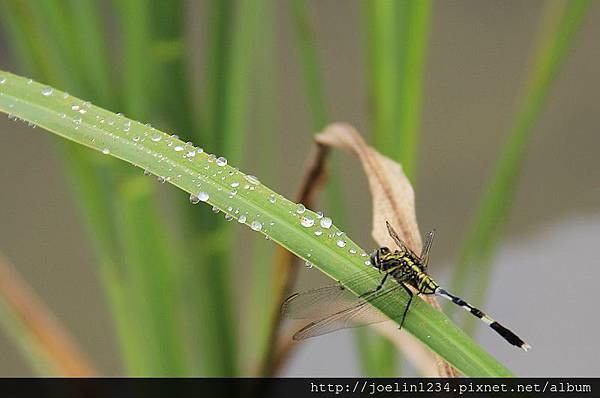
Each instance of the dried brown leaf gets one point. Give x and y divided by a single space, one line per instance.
393 201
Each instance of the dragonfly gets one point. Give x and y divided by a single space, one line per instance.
335 307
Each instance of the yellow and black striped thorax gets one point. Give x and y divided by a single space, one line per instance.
404 267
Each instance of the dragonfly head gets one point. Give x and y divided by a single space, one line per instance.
378 255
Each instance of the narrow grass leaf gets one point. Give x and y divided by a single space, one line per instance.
208 179
559 23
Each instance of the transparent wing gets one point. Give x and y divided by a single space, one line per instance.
318 302
397 239
362 312
426 248
330 299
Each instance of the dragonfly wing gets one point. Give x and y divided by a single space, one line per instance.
361 313
318 302
394 235
330 299
426 248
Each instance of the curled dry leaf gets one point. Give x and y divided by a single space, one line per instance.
393 201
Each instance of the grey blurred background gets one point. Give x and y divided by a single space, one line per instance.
547 270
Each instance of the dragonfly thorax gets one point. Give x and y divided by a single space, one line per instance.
385 260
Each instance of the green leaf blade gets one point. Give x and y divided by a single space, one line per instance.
253 203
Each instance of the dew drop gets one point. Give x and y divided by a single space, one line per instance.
178 148
341 243
235 184
256 225
156 138
147 172
2 79
228 217
203 196
47 91
300 208
367 262
318 232
161 179
352 251
106 151
307 222
215 210
326 222
242 219
272 198
308 264
221 161
252 179
319 215
194 199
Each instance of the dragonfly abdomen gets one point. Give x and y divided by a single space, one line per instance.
498 328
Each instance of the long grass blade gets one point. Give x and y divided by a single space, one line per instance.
209 179
415 17
397 35
559 23
311 67
261 296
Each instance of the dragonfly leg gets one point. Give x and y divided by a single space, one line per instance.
412 295
378 288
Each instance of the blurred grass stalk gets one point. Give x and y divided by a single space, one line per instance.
311 72
558 24
396 39
146 276
46 344
53 39
255 314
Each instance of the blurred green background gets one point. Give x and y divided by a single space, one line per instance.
247 75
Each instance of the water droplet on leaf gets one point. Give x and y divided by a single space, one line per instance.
326 222
307 222
256 225
203 196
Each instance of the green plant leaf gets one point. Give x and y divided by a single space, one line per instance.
208 178
559 23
